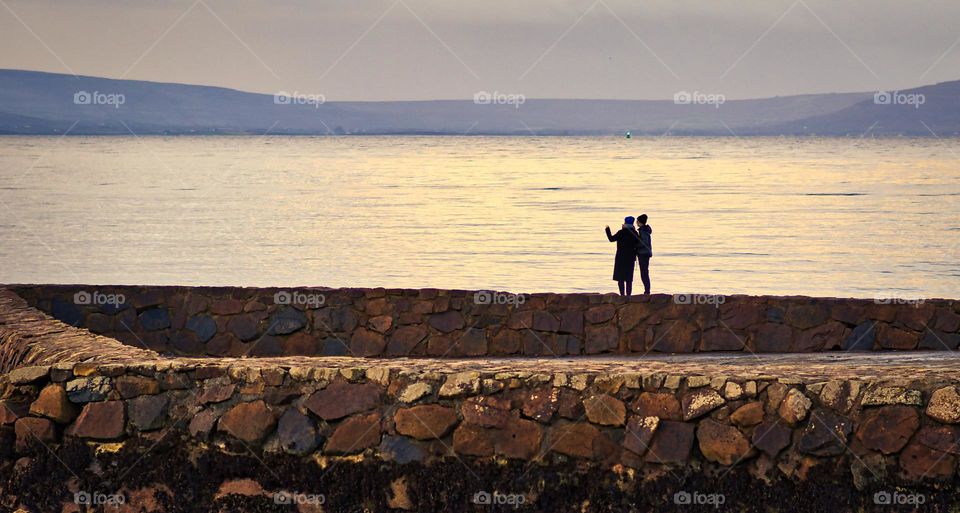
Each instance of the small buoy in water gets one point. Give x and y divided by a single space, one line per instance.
628 134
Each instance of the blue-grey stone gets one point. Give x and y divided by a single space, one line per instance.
401 449
862 338
297 433
939 341
204 326
155 319
287 320
66 312
85 390
334 347
774 314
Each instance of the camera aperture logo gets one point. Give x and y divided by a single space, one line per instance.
83 498
899 300
97 298
498 98
898 98
684 498
98 98
496 498
698 98
298 98
699 299
491 297
297 298
885 498
299 499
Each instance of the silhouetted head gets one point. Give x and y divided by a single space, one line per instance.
642 219
628 220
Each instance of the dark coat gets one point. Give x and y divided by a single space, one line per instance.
645 247
623 263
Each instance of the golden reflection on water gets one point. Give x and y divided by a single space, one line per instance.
839 217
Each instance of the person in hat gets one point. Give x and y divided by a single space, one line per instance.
644 250
627 240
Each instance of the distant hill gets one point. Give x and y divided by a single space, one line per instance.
45 103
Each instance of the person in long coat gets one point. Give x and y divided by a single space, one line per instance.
627 239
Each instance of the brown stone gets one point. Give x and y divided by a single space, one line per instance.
447 322
202 424
921 462
519 439
738 314
772 437
749 414
505 342
544 321
570 406
244 327
700 402
652 404
571 321
947 321
671 443
133 386
826 434
916 317
605 410
425 422
722 443
249 422
404 339
381 323
721 339
600 314
942 438
486 411
639 433
355 434
888 429
226 307
677 336
839 395
541 403
601 339
573 439
103 420
821 338
31 430
340 399
944 405
148 412
890 337
216 393
54 405
806 316
473 342
366 342
633 314
794 407
772 338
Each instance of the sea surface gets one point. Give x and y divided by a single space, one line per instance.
813 216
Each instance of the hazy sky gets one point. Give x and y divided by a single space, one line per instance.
426 49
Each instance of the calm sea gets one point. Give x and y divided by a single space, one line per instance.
835 217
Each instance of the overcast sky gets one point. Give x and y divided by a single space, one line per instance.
447 49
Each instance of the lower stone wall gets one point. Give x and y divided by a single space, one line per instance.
232 321
646 428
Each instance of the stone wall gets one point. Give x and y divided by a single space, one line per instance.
83 419
455 323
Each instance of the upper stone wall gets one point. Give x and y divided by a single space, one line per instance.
234 321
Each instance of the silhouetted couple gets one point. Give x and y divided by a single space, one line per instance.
633 244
